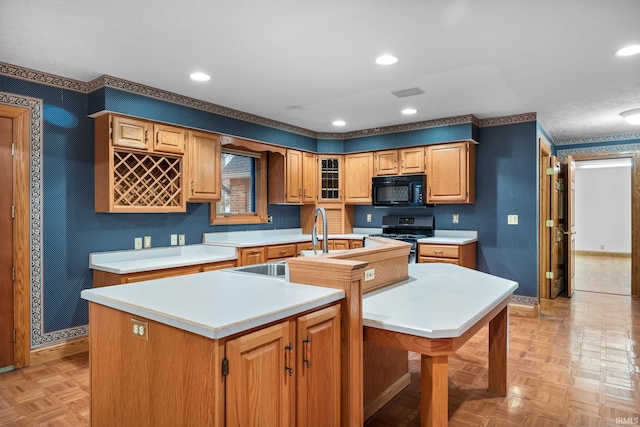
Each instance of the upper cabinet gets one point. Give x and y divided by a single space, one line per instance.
405 161
359 168
451 173
203 163
134 174
330 178
292 177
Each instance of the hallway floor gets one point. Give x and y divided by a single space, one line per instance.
604 274
576 365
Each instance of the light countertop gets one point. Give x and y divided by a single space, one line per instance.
437 301
451 237
133 261
214 304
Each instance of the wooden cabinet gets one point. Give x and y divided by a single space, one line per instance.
385 162
286 374
359 168
339 219
203 163
307 246
451 173
134 175
249 256
281 251
292 177
405 161
413 160
330 173
103 278
463 255
339 244
356 243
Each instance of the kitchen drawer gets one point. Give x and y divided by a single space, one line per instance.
439 251
161 274
281 251
426 259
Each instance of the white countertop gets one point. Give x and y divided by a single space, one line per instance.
132 261
214 304
437 301
451 237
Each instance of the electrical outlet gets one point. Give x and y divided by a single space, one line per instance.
269 219
174 239
602 247
369 274
512 219
137 243
181 240
140 329
147 242
456 218
368 217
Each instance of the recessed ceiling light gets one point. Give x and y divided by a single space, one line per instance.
409 111
386 60
629 50
339 123
632 116
200 77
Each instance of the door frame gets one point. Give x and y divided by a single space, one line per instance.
21 231
635 207
544 210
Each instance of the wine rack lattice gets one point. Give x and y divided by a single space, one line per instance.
145 180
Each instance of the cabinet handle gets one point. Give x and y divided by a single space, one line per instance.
255 251
146 136
157 137
282 252
305 193
438 252
306 351
192 182
286 367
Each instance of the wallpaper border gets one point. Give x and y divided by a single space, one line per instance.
38 336
598 139
598 150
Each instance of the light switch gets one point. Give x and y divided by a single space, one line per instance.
368 217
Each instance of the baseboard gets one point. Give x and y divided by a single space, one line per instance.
58 350
387 395
600 253
524 310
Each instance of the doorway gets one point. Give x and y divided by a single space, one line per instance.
603 225
6 248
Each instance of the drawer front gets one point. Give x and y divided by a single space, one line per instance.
161 274
426 259
281 251
440 251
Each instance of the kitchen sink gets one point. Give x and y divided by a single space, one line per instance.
273 269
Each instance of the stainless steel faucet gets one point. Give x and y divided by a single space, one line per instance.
314 231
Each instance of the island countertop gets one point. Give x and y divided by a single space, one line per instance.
214 304
437 301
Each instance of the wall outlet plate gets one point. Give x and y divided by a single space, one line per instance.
181 240
140 329
368 217
369 274
269 219
137 243
455 218
147 242
512 219
174 239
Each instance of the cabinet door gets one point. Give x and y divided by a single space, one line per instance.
354 244
169 139
386 162
310 172
340 245
448 174
249 256
330 174
130 133
412 160
259 385
204 167
359 168
293 177
318 384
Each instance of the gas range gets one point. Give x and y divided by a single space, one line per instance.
408 229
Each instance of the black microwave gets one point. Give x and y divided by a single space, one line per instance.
399 190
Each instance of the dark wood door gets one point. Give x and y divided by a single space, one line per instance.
6 248
557 279
570 232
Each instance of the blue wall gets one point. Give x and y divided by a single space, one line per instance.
505 184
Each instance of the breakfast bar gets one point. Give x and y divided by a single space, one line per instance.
434 312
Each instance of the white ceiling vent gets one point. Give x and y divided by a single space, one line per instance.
408 92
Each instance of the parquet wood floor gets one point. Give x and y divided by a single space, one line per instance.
607 274
576 365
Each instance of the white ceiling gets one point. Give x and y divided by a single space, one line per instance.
482 57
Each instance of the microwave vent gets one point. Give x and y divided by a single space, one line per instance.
408 92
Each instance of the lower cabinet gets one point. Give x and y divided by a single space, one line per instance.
463 255
287 374
249 256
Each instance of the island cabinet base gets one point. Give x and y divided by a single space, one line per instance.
385 374
157 381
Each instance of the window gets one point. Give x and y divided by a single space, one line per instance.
243 196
